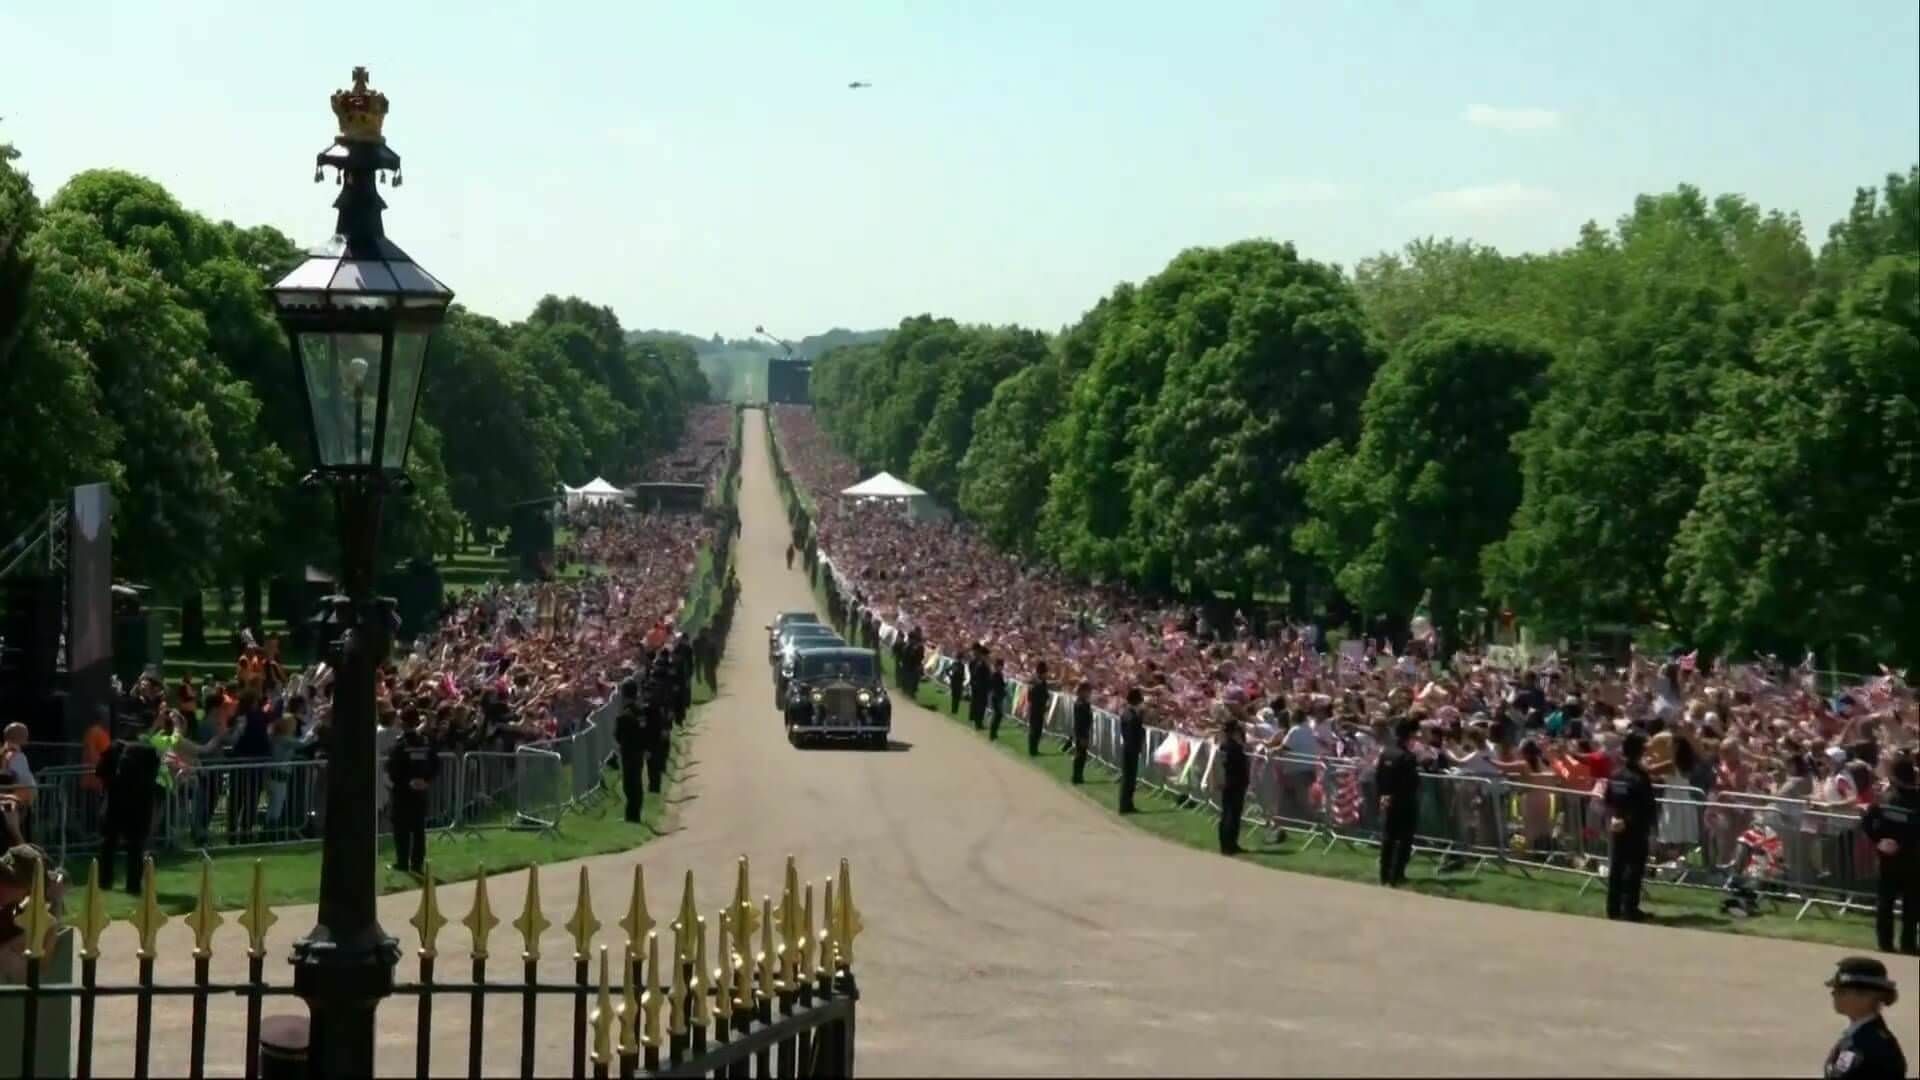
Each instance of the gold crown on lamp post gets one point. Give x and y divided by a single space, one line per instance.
361 110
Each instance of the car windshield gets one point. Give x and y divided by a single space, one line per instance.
836 665
792 618
808 633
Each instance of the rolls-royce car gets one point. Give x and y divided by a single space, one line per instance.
836 692
781 622
792 639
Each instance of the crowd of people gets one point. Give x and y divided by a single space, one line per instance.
1728 737
702 452
505 666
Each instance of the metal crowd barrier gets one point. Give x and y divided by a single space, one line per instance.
1780 850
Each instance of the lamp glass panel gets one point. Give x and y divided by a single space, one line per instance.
342 373
409 363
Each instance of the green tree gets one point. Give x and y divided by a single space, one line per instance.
158 391
968 383
51 434
1433 479
1646 320
1803 532
1266 358
1885 222
1003 476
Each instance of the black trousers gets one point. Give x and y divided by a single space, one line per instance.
1233 803
409 829
243 803
954 689
1396 844
1899 880
129 830
977 711
1129 777
632 770
657 764
1033 736
1080 744
1626 872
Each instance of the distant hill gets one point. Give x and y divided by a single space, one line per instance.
737 367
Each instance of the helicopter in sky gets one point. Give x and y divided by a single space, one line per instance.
859 85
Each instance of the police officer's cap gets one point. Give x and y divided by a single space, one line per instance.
628 688
1863 973
1633 745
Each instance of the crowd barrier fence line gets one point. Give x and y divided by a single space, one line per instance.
1780 850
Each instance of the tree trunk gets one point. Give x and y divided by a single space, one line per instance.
250 588
193 620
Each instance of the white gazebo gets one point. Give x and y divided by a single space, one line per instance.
595 492
888 487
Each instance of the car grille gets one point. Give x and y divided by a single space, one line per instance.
840 705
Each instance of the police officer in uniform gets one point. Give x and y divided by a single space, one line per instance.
630 732
1133 741
1894 826
1082 729
1632 807
1039 697
1398 779
682 678
980 681
412 766
130 768
956 677
1867 1050
1235 775
657 719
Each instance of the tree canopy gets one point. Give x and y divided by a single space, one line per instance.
137 347
1688 422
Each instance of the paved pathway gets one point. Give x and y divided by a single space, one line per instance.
1016 928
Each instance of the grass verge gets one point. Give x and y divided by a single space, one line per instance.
1533 889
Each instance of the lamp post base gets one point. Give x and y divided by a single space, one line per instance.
342 984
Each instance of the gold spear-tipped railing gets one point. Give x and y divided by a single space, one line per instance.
730 1005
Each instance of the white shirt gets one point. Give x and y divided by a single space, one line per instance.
21 770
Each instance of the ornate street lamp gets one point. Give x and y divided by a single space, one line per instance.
358 314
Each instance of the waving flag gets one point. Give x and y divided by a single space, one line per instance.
1172 752
1346 798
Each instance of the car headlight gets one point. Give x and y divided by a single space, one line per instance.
866 698
818 697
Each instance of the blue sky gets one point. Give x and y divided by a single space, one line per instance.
704 167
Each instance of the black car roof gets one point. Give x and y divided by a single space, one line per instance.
796 616
835 650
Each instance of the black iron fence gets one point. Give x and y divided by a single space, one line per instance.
775 995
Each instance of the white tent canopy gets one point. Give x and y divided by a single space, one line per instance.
884 486
595 492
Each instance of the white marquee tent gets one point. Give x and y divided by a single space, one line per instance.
595 492
886 486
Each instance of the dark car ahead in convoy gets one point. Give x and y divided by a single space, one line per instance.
781 622
835 692
792 639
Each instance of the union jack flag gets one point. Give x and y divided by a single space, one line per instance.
1769 854
1345 808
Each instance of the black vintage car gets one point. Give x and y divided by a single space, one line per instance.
795 637
780 623
835 692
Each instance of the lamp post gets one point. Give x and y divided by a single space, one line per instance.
358 314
